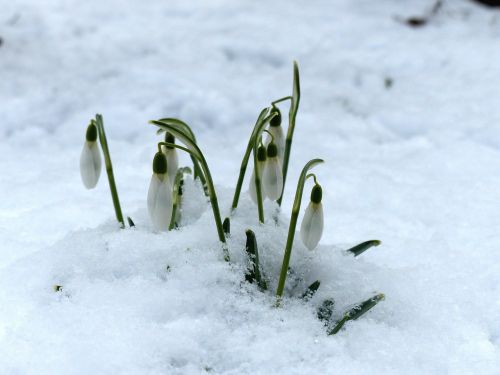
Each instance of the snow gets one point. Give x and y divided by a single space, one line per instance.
414 165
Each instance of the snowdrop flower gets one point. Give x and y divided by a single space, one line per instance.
276 130
261 159
172 158
312 223
272 177
90 159
160 194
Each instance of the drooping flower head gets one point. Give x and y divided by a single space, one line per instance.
272 178
160 194
276 130
311 229
90 159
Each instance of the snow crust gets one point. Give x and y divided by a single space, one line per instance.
414 165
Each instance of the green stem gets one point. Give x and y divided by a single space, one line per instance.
258 183
293 224
261 122
182 126
195 151
292 115
244 162
281 100
109 169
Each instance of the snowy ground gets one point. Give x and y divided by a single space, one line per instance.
414 165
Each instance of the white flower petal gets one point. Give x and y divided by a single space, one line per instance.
90 164
160 202
312 225
272 179
172 162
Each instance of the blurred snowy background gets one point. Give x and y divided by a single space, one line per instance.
407 119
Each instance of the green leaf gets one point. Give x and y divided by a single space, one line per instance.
311 290
181 125
356 312
253 273
362 247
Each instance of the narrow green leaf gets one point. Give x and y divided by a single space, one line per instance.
253 273
362 247
292 117
356 312
311 290
179 124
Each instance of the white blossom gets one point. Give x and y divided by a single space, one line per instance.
312 225
160 201
272 178
90 164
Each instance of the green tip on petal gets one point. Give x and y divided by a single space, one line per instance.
261 153
169 138
316 194
272 150
160 163
91 135
276 120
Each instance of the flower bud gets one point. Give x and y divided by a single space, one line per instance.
159 163
90 159
276 120
311 228
160 194
279 140
272 177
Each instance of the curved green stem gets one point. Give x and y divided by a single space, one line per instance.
261 122
292 115
185 128
109 169
194 150
268 132
281 100
293 224
313 176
